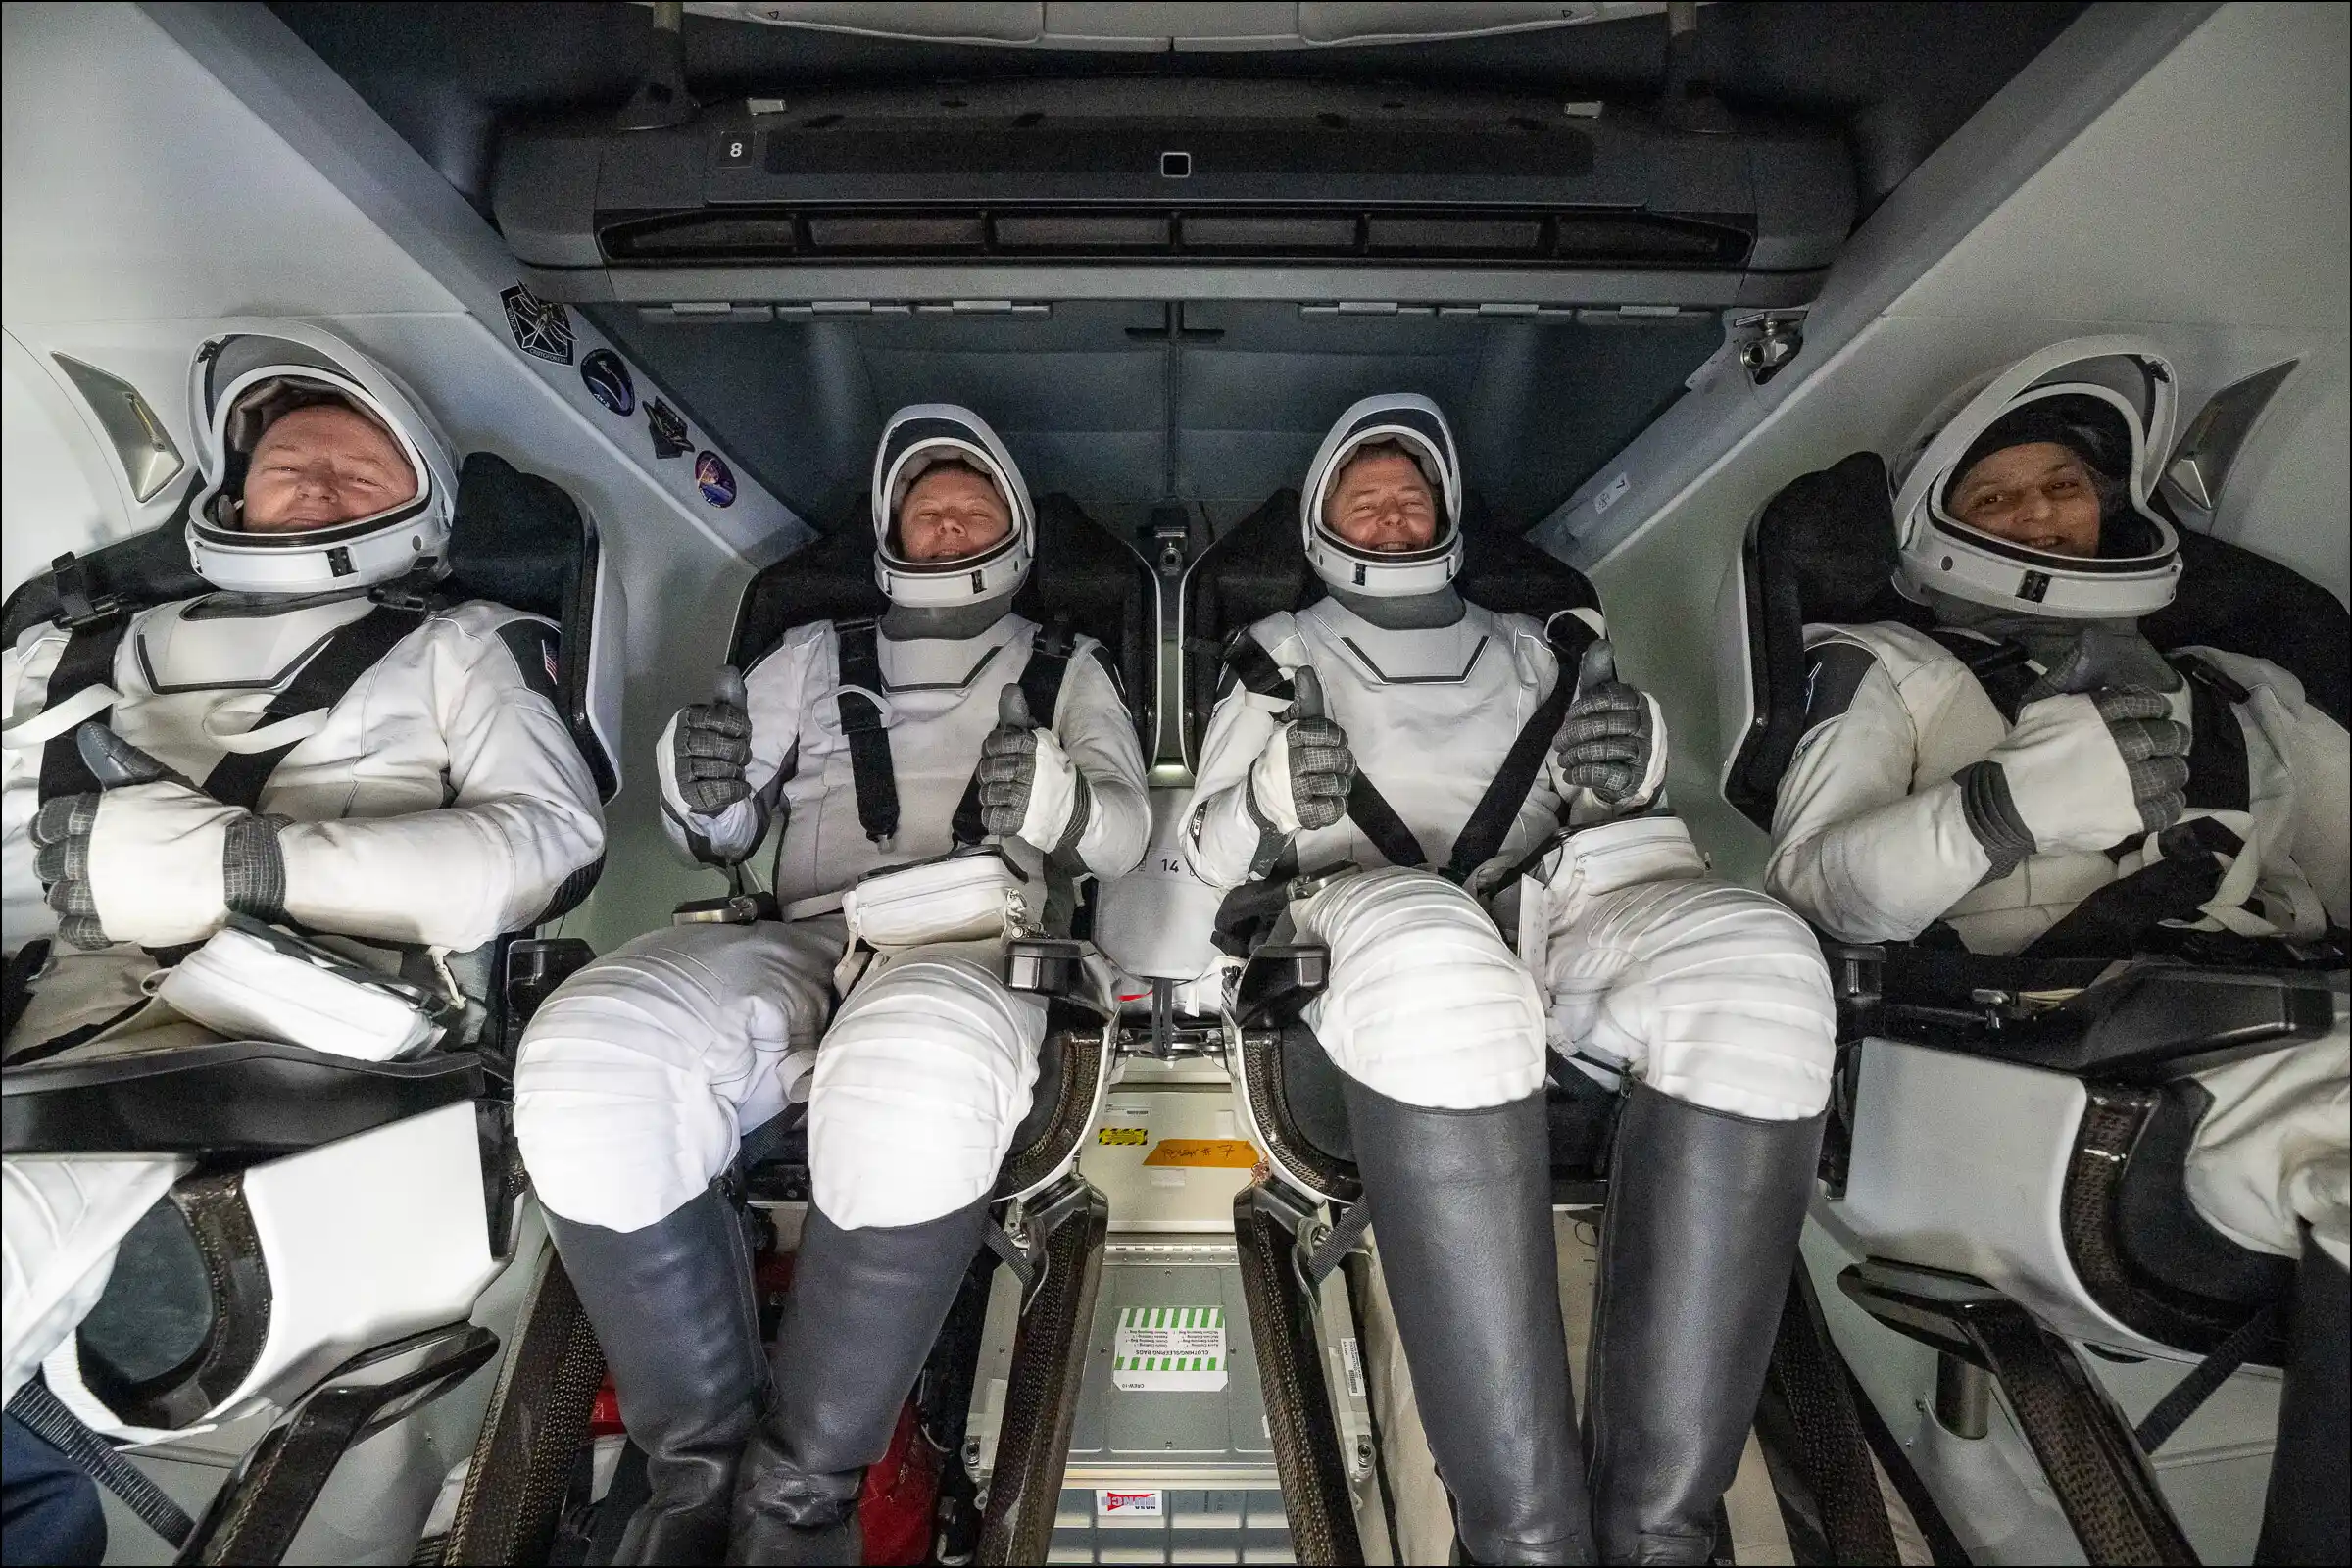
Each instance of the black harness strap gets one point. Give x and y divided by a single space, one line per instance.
2004 669
1377 821
87 661
1040 687
237 779
2109 923
2220 778
1481 837
870 769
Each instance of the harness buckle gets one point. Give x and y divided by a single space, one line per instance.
80 607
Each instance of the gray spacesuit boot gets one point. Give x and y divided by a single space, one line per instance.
1461 1204
864 1310
1696 1245
672 1306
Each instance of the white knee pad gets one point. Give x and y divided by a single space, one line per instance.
1712 994
919 1088
1426 1004
636 1079
2274 1153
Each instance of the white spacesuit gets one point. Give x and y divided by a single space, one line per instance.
639 1077
372 762
2033 774
1445 734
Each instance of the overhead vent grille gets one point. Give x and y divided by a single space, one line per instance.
1614 238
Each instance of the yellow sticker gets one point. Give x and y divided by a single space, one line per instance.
1230 1153
1120 1135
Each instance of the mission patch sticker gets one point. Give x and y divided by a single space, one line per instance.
542 328
1169 1350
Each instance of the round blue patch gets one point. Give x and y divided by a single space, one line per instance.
609 381
717 481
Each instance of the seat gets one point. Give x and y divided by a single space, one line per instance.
1822 550
1254 570
1084 579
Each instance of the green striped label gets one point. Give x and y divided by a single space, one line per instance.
1170 1349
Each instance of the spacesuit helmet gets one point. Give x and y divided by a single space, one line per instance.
1413 422
242 380
2111 401
916 438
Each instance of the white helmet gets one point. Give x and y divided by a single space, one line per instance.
246 375
2113 400
917 436
1413 422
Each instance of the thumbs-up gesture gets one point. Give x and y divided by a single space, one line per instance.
1302 780
1613 739
713 747
151 859
1029 788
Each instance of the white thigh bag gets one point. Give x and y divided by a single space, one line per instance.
967 896
252 981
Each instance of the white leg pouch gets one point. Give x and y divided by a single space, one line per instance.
252 981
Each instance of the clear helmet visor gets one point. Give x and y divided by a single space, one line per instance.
2109 403
245 381
1404 423
917 440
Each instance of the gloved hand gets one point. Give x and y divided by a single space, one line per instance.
712 746
1613 739
1302 777
2090 764
1029 788
152 860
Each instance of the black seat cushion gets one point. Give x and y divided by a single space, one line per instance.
2160 1232
1083 576
243 1100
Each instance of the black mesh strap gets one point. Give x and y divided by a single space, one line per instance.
870 769
88 660
2108 924
1481 837
238 779
48 1419
1041 688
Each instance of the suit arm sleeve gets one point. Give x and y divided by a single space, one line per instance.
1222 836
1854 848
1099 738
522 819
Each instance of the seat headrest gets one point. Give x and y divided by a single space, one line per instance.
517 539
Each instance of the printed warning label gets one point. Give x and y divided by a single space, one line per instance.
1169 1350
1230 1153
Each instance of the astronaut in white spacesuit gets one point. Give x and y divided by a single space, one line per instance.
879 744
2035 775
323 740
1393 728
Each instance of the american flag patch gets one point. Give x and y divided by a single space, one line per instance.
547 660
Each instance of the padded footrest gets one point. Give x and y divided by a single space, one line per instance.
245 1098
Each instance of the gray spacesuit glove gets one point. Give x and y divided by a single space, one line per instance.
713 748
2038 792
1302 780
253 867
1028 786
1611 741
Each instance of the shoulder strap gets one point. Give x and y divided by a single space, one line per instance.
88 660
1041 681
1367 807
2220 778
1490 824
870 768
2004 669
351 652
